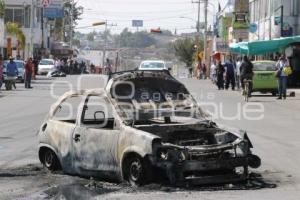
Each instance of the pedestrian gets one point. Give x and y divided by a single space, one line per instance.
71 66
82 67
246 71
29 68
57 64
282 77
199 69
220 75
1 71
93 68
204 70
12 71
230 76
213 72
238 72
36 65
76 67
108 67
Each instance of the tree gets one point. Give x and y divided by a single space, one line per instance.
13 29
2 9
91 36
140 39
184 50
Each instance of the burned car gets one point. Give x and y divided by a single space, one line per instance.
143 122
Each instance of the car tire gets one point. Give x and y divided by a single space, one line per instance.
50 160
135 171
274 94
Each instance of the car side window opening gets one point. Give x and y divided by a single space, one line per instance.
68 109
97 111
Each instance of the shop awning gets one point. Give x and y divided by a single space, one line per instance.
263 46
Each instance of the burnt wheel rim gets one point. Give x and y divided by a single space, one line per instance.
135 170
49 159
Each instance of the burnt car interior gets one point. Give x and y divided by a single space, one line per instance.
97 112
154 100
67 110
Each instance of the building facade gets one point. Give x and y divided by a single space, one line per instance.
267 15
28 14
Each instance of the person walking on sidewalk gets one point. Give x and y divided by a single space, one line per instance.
28 73
238 72
12 71
282 77
220 76
230 77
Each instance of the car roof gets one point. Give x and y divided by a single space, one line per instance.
161 61
264 61
48 59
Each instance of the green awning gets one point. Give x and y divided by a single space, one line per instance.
262 47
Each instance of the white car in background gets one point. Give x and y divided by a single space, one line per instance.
153 65
46 66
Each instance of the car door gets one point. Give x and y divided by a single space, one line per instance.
96 138
60 128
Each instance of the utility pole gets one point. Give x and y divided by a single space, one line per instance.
71 24
31 28
198 21
105 41
205 28
198 30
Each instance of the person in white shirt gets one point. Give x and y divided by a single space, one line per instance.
282 79
213 72
238 72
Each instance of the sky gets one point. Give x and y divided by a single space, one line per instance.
166 14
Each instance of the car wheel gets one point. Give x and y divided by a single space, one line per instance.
134 171
274 94
50 160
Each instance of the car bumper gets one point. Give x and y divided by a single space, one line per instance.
205 172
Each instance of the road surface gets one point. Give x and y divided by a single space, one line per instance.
274 133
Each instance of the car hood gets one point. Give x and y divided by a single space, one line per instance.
140 95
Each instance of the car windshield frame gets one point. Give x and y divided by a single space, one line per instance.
46 62
264 66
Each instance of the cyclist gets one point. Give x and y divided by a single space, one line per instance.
246 70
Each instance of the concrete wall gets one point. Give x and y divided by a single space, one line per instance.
266 25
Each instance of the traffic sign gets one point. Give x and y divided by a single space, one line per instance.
253 28
137 23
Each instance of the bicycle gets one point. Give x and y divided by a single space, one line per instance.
247 92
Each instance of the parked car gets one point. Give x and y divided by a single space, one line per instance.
264 79
142 122
45 66
21 69
153 65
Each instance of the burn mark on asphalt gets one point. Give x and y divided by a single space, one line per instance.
61 186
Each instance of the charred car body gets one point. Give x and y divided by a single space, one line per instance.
143 121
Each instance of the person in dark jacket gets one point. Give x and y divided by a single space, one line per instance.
246 70
12 70
220 75
230 76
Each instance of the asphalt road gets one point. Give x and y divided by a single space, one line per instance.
273 128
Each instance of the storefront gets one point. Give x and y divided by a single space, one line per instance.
290 46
